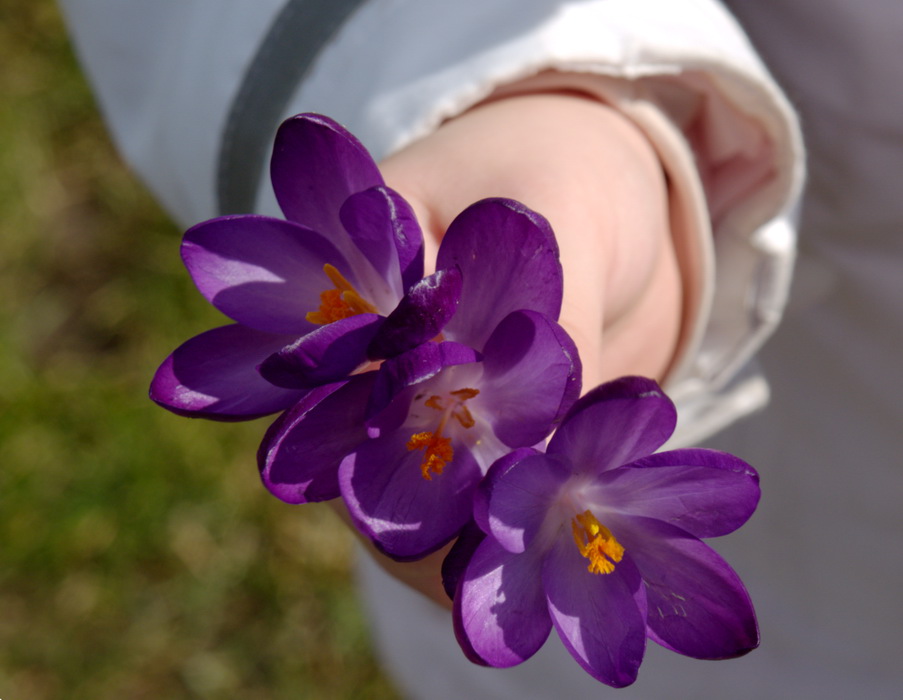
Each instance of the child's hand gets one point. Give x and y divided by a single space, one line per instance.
597 180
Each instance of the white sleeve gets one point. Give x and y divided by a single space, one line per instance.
164 73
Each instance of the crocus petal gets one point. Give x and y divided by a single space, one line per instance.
464 643
405 515
599 617
484 492
316 166
522 497
262 272
501 605
697 604
415 366
213 376
300 455
508 257
328 354
384 228
420 316
459 556
408 244
705 492
616 423
453 567
532 377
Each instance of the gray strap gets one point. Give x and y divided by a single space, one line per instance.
298 34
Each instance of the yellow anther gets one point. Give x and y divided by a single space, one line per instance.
438 452
337 279
463 415
332 308
596 543
438 449
342 302
434 402
464 394
453 405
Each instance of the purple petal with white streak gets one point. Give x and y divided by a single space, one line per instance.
408 244
384 228
316 165
453 568
300 455
509 261
616 423
496 470
601 618
213 376
532 377
705 492
420 316
328 354
521 499
405 515
501 605
697 604
262 272
464 643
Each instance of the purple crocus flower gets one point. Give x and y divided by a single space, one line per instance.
449 414
314 296
600 539
407 446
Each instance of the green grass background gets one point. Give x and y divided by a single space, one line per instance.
139 555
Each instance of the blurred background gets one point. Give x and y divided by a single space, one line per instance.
139 555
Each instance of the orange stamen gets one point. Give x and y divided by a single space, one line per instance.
596 543
341 302
438 450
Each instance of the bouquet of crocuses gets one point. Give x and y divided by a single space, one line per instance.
425 403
